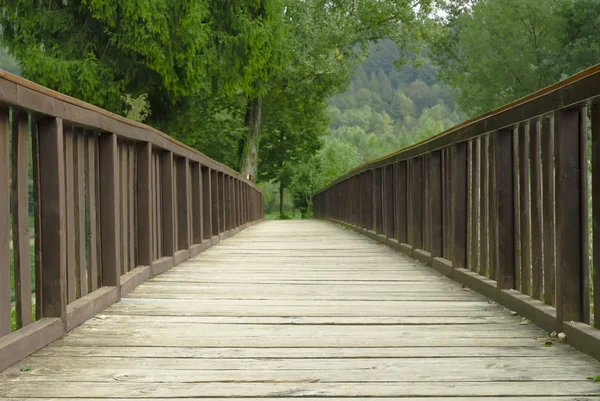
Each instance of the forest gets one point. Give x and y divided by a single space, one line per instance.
293 93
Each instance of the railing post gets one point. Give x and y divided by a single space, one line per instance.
402 202
436 203
569 267
222 204
196 205
144 203
206 204
460 170
109 211
505 213
416 203
183 209
5 292
53 217
389 217
214 189
168 204
377 216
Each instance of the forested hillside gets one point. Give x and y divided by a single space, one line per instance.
386 107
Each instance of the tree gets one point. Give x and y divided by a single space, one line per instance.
327 38
99 50
495 51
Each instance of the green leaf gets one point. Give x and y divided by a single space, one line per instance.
25 368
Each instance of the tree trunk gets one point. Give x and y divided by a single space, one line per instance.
253 121
281 189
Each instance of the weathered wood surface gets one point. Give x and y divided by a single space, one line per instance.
303 309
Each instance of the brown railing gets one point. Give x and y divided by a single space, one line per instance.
114 203
499 203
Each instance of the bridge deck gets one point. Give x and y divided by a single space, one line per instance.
303 309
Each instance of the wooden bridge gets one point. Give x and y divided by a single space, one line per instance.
475 247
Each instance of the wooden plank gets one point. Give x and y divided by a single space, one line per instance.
123 210
524 210
415 214
536 210
436 203
569 280
222 203
93 274
389 218
493 219
80 235
167 228
215 202
517 212
584 207
196 186
460 200
109 209
144 203
484 206
182 189
504 187
5 293
70 195
474 213
206 203
53 217
131 206
37 215
547 139
377 200
20 222
596 209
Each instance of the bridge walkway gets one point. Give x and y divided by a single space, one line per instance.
293 309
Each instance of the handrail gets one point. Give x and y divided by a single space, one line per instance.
499 203
115 203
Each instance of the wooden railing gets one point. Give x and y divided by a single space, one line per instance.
115 202
499 203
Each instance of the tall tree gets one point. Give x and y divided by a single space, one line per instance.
496 51
100 49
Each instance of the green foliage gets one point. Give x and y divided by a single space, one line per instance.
138 108
497 51
96 50
594 379
411 105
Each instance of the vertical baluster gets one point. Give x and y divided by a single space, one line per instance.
144 203
504 220
20 218
536 209
53 223
80 237
475 205
436 203
524 228
484 207
596 209
548 211
109 210
92 211
460 201
70 198
167 204
569 267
